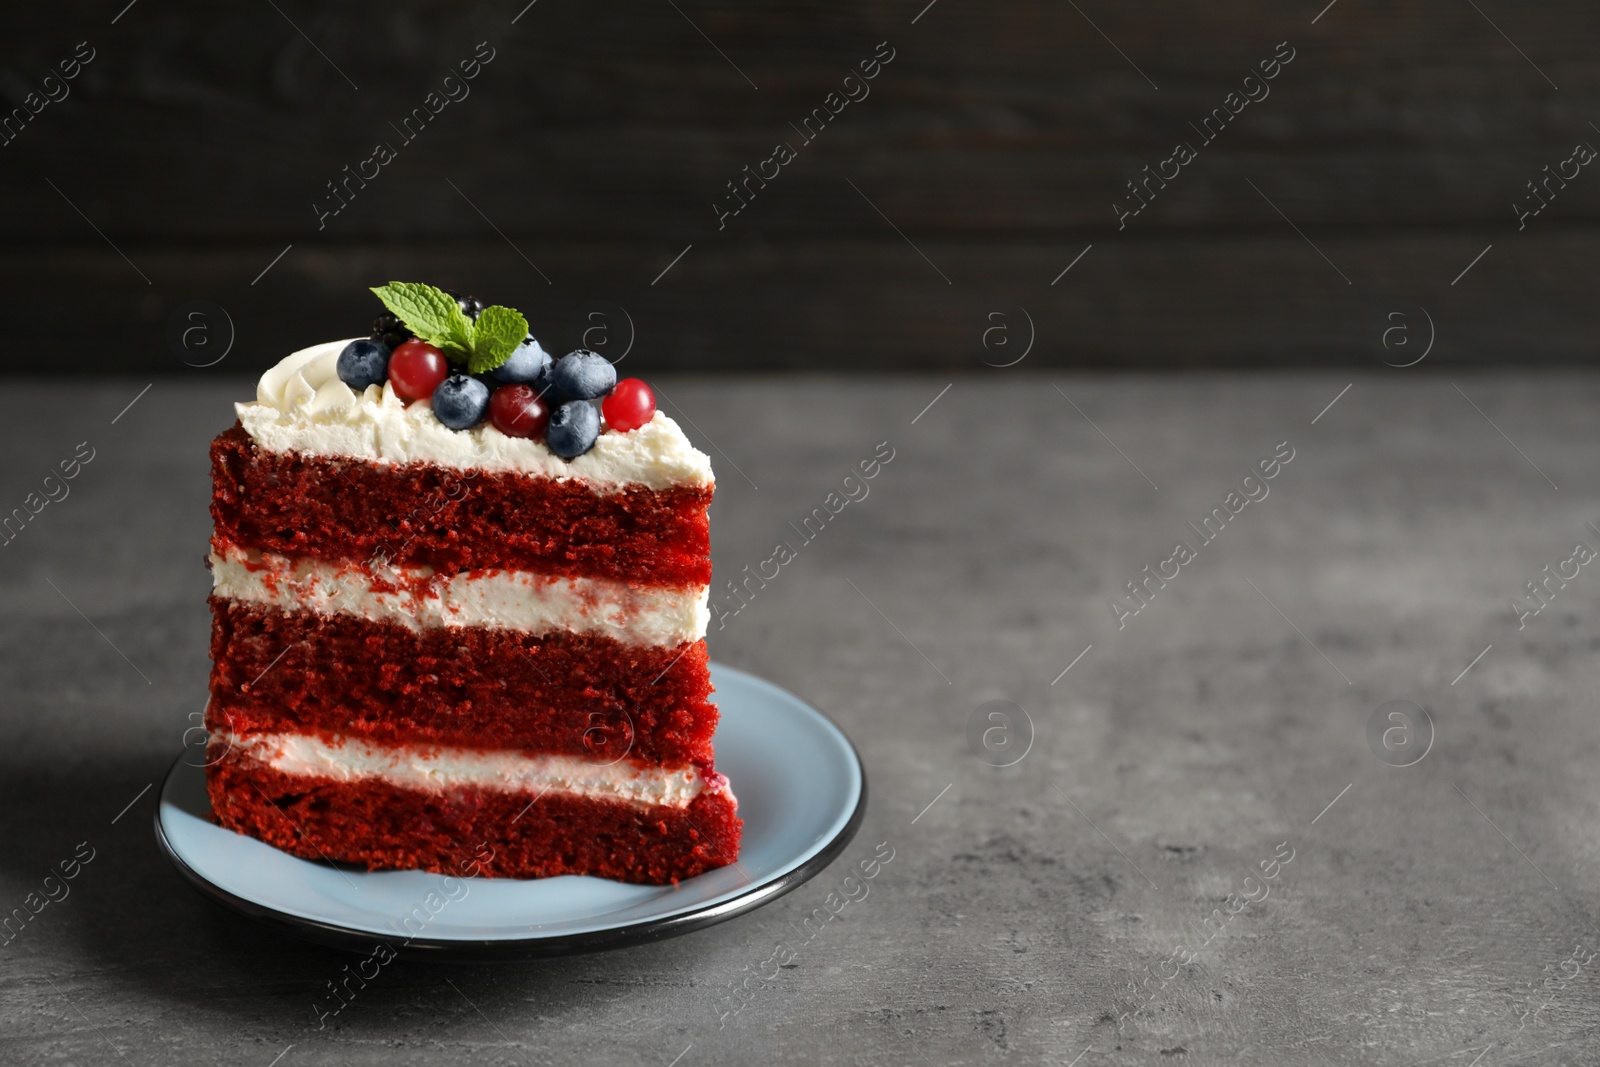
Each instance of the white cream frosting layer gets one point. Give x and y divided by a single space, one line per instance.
302 406
417 598
432 768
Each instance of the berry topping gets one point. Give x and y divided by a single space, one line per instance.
363 363
416 369
390 330
573 429
471 306
584 375
527 364
630 405
545 386
518 411
478 338
460 402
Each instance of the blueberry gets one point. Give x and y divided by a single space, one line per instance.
527 364
573 429
363 363
584 375
460 402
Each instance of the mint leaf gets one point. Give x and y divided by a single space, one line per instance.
497 333
435 317
431 314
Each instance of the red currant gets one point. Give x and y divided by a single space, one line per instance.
630 405
416 368
518 411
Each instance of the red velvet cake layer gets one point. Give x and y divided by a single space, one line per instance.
573 694
350 509
381 826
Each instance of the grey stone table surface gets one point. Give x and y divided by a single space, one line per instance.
1105 899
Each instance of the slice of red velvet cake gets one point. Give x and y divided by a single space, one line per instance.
459 617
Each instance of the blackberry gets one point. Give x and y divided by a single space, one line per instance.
471 306
390 330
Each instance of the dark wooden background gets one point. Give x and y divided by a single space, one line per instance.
997 140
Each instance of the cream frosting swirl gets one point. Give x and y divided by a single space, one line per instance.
302 406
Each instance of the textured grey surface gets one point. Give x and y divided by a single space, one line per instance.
1425 916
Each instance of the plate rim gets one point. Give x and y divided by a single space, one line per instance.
543 946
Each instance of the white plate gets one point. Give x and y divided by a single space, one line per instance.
801 790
